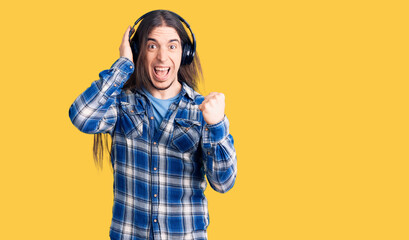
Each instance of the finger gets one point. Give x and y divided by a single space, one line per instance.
220 97
132 31
126 35
209 97
202 107
204 102
211 94
206 99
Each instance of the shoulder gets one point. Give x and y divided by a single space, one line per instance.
132 98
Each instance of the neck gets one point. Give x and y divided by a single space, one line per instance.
167 93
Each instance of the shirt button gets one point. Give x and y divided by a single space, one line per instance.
154 143
152 118
155 168
208 153
155 220
114 85
155 195
206 129
131 67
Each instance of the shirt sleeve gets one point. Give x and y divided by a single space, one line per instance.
219 156
95 110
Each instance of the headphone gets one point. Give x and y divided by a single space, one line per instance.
188 49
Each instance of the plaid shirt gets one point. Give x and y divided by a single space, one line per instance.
159 180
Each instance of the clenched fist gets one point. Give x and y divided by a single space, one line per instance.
212 108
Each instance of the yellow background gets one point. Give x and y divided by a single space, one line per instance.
316 94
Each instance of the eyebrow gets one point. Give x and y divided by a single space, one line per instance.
172 40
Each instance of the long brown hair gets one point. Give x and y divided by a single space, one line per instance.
190 74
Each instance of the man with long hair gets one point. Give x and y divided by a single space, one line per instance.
166 137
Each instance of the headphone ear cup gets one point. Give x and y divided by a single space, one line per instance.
187 54
135 49
184 52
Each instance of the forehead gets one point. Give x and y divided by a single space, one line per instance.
163 34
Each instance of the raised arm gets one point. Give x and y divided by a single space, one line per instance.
95 110
219 154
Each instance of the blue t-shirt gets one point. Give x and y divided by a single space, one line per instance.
160 106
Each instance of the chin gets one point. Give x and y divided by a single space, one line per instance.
162 85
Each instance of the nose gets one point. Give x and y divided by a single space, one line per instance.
162 54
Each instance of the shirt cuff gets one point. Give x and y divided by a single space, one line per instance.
215 133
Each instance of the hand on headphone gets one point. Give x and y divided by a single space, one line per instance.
125 48
212 108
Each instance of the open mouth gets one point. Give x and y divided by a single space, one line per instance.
161 73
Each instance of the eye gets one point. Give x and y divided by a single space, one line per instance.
172 47
151 46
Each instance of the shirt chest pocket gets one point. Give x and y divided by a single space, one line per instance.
131 121
186 134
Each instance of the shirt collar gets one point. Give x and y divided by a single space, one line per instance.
186 90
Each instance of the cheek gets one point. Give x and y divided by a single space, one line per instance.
148 62
177 58
149 56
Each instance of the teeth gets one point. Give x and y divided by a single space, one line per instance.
161 69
